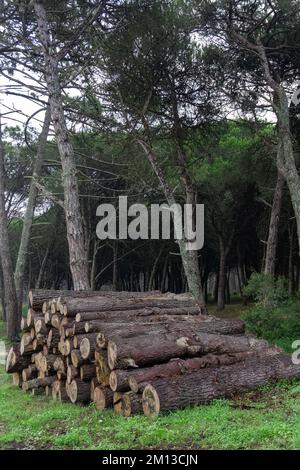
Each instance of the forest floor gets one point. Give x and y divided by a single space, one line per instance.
268 418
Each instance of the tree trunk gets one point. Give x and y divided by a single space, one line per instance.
102 369
139 378
128 404
164 274
42 268
76 358
227 288
70 307
154 349
205 385
11 303
79 391
94 264
29 213
126 315
38 383
116 331
3 311
286 163
189 258
154 269
285 155
74 222
115 265
291 265
88 346
14 361
270 259
222 275
37 297
103 398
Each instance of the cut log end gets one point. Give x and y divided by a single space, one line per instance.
113 381
133 384
85 348
117 402
30 298
101 341
112 355
150 401
130 404
10 360
99 398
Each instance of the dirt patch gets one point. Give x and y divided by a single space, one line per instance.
26 446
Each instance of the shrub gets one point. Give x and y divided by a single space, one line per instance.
274 317
266 290
278 325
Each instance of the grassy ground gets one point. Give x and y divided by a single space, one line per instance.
265 419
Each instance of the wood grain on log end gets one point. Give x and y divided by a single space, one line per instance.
150 401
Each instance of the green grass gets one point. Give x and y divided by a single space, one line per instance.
264 419
268 418
233 310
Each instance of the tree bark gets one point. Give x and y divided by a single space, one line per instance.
286 163
76 358
291 265
139 378
125 315
72 373
102 368
93 266
10 295
38 383
37 297
42 268
14 361
79 391
153 349
222 275
29 213
115 331
270 259
74 222
205 385
115 265
154 269
189 258
103 398
70 307
129 404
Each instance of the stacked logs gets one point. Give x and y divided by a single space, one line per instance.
137 352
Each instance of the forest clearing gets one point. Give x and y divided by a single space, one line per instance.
149 224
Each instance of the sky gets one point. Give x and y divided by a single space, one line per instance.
19 108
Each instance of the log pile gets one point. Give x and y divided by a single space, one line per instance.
137 352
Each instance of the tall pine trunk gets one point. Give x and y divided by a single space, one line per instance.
222 276
29 213
154 269
285 152
285 156
10 296
115 265
270 259
291 265
189 258
74 222
42 268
